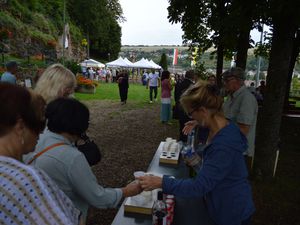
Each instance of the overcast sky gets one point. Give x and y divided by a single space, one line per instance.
147 24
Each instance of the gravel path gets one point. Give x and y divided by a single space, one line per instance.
128 138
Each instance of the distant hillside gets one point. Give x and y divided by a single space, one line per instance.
184 60
148 48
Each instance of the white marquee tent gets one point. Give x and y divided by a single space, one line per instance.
128 62
120 62
91 63
154 64
144 64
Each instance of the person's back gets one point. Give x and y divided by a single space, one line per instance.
166 88
145 78
262 88
251 88
180 88
8 76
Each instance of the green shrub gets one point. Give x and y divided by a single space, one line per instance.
8 21
73 66
20 11
43 24
76 34
39 35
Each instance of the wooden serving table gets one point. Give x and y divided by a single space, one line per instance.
187 211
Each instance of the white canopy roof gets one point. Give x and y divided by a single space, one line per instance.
143 63
154 64
128 62
120 62
91 63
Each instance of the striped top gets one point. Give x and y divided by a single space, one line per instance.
29 196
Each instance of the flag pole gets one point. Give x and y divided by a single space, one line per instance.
64 33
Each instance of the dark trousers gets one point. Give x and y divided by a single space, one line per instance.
244 222
123 94
247 221
151 92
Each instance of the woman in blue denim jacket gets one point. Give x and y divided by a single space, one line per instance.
222 180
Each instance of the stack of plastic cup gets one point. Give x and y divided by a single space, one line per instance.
144 196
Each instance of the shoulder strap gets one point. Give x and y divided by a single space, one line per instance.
45 150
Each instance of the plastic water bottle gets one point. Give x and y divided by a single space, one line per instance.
159 210
190 155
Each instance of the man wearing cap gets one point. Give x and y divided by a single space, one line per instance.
9 75
241 107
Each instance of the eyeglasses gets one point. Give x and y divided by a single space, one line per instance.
227 80
190 114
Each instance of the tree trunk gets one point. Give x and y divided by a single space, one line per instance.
220 56
269 126
242 48
88 44
295 53
220 47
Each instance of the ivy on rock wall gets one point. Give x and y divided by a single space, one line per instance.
36 25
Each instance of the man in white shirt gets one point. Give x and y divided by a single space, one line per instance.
153 83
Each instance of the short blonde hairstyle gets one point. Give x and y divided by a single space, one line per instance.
202 94
53 81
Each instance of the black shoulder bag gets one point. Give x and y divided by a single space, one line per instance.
90 150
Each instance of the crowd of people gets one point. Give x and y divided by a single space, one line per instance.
99 74
45 178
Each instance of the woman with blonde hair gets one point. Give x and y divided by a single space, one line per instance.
222 179
56 81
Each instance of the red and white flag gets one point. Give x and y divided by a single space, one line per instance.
175 56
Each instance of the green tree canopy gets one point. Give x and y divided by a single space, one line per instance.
164 61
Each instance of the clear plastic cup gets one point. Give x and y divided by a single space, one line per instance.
138 174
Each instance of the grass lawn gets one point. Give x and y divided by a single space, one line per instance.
137 93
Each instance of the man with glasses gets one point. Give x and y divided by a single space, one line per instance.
241 107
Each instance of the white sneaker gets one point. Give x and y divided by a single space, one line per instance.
155 99
150 102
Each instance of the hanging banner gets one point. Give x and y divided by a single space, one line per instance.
66 42
175 56
194 57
